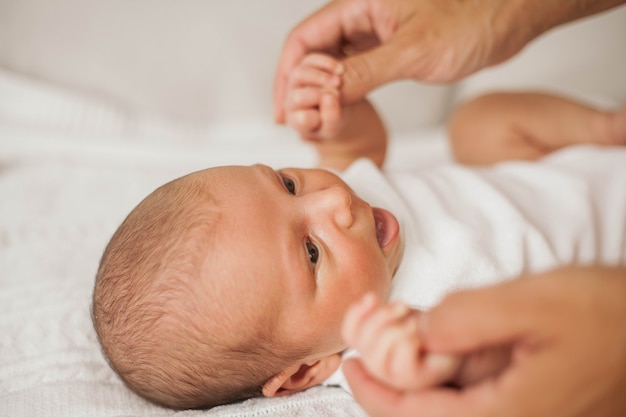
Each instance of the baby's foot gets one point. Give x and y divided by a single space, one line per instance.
611 127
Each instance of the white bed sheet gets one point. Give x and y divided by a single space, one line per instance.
64 189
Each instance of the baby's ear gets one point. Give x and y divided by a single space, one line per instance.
301 376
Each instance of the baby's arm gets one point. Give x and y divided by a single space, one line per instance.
387 339
340 134
506 126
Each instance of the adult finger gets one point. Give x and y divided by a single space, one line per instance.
492 316
370 393
471 320
380 400
365 71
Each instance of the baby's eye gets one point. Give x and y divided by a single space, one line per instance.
313 252
289 185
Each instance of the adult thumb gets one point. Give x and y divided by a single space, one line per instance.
365 71
473 320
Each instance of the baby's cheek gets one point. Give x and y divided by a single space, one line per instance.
378 276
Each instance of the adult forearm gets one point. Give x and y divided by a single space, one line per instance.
559 12
535 17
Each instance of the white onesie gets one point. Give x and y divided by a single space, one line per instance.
466 226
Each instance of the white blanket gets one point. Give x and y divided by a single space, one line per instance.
58 211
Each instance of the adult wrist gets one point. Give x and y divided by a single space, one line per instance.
518 22
544 15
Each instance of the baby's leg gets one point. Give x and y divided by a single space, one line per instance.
506 126
386 336
618 125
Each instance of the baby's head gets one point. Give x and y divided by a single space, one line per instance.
232 282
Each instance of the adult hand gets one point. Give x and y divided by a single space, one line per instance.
433 41
385 40
567 332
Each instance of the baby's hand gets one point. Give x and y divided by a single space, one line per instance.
312 102
386 336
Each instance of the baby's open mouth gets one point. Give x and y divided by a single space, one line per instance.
387 227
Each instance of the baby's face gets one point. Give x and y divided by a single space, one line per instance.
303 247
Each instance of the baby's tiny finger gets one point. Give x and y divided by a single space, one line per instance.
323 61
355 315
304 121
439 364
383 350
303 98
376 323
314 77
404 359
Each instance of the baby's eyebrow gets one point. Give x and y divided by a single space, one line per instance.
279 179
270 173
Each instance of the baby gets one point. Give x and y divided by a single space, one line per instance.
233 282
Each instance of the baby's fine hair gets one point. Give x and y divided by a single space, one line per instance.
148 304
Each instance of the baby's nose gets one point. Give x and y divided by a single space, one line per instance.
335 202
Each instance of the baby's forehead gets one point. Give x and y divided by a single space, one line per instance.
223 176
209 182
